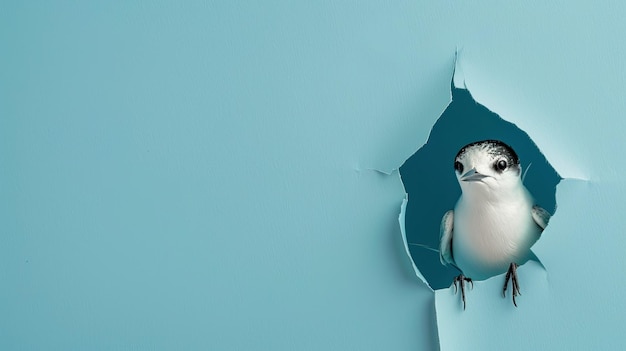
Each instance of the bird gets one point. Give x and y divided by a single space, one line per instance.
495 220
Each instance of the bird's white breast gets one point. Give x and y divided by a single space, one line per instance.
489 234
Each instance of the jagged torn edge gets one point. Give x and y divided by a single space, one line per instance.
401 217
405 201
401 222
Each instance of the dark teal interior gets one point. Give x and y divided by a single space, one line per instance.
429 179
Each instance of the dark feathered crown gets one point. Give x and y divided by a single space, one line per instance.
494 147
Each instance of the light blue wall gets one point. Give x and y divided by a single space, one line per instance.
200 175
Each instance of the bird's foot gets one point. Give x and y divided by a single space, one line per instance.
511 275
461 279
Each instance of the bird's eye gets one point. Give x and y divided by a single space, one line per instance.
458 166
501 165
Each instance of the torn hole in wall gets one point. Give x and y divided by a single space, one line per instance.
432 188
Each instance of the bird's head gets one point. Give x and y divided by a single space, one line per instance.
487 165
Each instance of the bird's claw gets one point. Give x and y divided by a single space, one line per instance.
511 275
461 279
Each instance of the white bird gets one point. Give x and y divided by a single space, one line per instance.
495 221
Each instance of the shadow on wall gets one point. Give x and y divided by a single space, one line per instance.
429 179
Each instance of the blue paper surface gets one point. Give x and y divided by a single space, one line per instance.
200 175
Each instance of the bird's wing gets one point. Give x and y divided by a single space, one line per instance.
445 238
541 216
